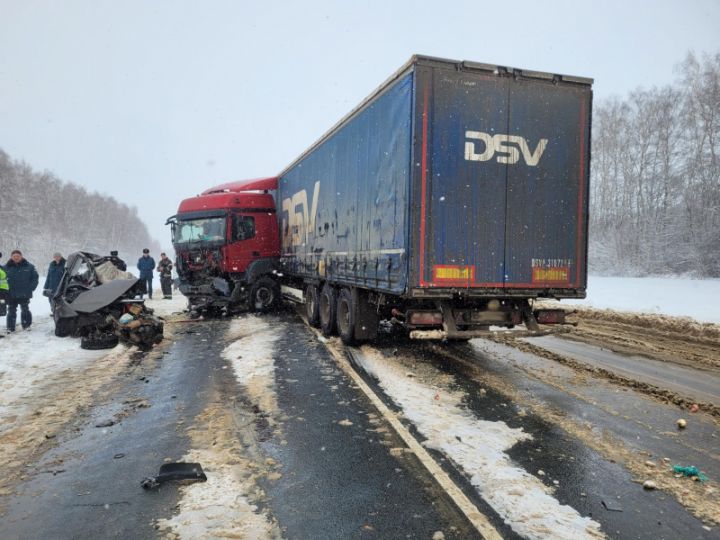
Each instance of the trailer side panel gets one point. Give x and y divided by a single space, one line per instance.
344 205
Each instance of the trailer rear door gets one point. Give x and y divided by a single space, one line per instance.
501 184
545 238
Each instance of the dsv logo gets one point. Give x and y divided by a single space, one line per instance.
299 223
508 148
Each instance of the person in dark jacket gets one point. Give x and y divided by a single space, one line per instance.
54 275
22 280
117 261
4 290
165 269
146 265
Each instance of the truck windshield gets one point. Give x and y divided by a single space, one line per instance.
199 230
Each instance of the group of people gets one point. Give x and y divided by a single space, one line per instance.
146 265
19 279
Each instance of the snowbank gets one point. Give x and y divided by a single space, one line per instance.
681 297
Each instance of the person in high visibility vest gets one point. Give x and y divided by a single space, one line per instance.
4 290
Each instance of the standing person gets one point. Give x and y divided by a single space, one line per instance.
117 261
165 268
54 275
146 265
4 290
22 280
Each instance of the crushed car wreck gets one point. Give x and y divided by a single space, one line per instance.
96 301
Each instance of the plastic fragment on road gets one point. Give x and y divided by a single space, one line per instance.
175 471
681 423
612 506
690 471
649 484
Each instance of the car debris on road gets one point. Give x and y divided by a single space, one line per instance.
175 471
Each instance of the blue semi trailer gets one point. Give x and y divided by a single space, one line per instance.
445 203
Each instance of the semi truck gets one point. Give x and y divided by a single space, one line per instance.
448 201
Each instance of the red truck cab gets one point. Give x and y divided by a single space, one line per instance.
226 239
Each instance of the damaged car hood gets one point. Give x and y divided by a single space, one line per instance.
102 295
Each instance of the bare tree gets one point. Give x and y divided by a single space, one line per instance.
656 177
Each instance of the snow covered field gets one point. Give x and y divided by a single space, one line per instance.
676 296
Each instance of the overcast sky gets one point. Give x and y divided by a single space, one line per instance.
153 101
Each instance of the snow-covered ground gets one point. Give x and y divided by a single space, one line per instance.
677 296
32 359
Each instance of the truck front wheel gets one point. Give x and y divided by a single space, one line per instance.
312 309
264 295
328 309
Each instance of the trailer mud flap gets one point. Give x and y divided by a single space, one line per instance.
529 319
367 318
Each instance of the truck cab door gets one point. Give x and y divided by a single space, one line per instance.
243 243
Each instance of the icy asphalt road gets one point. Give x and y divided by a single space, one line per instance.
292 448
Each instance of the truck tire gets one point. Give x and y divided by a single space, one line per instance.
264 295
328 307
346 316
312 308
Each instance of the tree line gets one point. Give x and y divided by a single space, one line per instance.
41 214
655 177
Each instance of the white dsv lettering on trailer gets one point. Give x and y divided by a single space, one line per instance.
300 222
509 148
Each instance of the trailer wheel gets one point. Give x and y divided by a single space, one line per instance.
312 309
264 295
328 309
346 314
